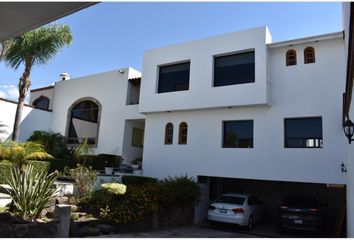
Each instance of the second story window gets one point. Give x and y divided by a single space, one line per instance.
238 134
169 133
174 77
183 131
290 57
42 103
303 132
309 55
234 69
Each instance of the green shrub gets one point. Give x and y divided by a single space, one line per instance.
6 166
178 191
84 177
60 164
54 143
30 190
137 180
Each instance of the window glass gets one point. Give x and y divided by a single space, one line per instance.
231 200
303 132
309 55
41 103
238 134
183 130
234 69
137 137
174 78
83 122
290 58
169 133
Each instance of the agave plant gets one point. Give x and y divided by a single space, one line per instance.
30 191
18 153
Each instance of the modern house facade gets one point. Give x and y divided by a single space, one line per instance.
236 112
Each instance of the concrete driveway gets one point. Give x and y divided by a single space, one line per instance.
191 231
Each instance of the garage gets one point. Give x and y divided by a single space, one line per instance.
332 198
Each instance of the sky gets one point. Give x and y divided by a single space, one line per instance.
110 36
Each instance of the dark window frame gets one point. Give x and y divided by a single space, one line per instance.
182 141
216 57
223 133
308 59
168 135
178 88
42 97
288 60
302 118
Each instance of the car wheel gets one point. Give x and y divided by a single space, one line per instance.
250 223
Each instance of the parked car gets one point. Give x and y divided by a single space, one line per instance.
240 209
301 212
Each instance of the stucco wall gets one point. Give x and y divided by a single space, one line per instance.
296 91
110 90
49 93
201 93
32 120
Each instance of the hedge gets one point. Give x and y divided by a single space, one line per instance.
137 180
5 168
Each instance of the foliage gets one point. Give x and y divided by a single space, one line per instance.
137 180
6 166
142 198
178 191
18 153
82 151
114 188
30 191
54 143
85 178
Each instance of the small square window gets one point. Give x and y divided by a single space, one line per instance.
238 134
174 78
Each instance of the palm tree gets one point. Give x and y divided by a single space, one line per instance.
18 153
33 48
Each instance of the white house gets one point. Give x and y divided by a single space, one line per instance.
236 112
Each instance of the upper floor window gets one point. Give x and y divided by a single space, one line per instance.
291 57
183 130
303 132
84 117
309 55
42 103
238 134
174 77
234 69
169 133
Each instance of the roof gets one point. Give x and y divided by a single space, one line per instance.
41 89
316 38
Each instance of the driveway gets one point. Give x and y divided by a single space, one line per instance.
191 231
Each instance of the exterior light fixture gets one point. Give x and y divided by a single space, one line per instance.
343 168
348 128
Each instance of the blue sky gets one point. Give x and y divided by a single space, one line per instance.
108 36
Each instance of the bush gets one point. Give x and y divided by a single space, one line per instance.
6 166
137 180
84 177
99 162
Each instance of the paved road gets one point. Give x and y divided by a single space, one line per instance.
192 231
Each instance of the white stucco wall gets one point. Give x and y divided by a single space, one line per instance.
32 120
131 152
296 91
201 93
110 90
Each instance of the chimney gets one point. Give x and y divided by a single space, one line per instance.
64 76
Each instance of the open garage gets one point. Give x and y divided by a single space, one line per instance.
332 198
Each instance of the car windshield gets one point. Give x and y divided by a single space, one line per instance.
300 201
231 200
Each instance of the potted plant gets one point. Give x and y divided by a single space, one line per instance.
136 163
108 170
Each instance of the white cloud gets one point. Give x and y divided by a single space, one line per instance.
8 92
2 94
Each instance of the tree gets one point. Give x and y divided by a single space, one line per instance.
18 153
36 47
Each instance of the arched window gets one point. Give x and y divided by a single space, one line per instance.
84 118
169 133
290 57
182 136
309 55
42 103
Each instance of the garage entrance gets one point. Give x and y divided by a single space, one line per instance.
332 197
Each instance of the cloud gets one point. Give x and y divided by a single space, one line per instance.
2 94
8 92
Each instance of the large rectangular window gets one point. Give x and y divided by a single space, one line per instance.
303 132
174 77
234 69
238 134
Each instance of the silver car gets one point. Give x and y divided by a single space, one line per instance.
240 209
